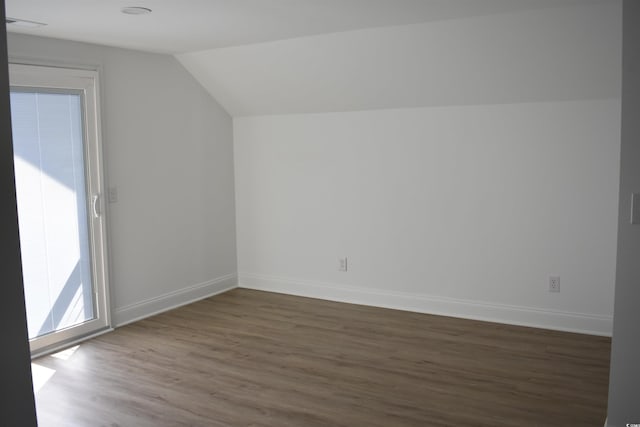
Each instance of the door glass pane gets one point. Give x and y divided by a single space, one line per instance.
52 209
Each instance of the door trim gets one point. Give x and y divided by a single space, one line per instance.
86 80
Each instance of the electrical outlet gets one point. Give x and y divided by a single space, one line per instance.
342 264
554 283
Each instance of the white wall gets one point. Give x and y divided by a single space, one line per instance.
168 149
463 210
477 205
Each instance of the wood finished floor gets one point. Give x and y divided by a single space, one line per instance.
248 358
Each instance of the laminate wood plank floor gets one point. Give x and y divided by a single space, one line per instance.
249 358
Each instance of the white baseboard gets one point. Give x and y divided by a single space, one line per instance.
152 306
467 309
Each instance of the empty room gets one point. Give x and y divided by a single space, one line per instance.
321 213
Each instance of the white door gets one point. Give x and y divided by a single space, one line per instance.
57 156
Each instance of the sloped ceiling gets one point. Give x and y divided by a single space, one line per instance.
303 56
541 55
179 26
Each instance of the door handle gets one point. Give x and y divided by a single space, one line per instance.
95 204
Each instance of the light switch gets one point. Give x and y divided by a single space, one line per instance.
113 194
635 208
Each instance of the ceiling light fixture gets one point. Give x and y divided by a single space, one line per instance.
135 10
22 23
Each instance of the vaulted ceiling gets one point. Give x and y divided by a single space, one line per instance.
304 56
190 25
562 54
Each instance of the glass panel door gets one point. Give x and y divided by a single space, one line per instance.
61 228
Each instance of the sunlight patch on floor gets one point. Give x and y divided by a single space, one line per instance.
40 375
65 354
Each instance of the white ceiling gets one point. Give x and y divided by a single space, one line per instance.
553 54
179 26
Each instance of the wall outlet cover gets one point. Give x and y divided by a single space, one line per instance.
342 264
